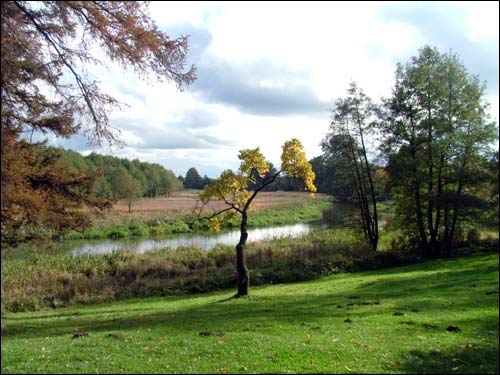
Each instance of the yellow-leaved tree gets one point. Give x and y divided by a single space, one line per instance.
232 189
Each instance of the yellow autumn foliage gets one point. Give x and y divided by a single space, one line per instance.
232 188
253 159
294 162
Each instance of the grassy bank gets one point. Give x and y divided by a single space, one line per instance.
385 321
155 223
40 279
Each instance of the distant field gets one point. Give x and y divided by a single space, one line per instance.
186 201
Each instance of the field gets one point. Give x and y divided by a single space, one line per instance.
440 316
183 202
179 214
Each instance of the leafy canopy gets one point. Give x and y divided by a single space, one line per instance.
233 188
49 49
295 164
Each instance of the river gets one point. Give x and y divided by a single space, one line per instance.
206 242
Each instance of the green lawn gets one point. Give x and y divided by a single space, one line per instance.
292 328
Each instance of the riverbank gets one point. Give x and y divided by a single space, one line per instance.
440 316
40 280
271 211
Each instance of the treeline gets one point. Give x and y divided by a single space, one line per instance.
123 178
193 180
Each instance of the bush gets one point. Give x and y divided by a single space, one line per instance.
119 232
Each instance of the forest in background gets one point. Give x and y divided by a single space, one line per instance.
147 179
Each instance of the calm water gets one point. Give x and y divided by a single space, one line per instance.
207 242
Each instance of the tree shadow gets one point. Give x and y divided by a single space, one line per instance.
464 359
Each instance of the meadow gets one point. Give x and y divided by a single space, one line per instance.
439 316
186 201
178 213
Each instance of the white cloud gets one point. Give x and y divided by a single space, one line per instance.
297 52
481 17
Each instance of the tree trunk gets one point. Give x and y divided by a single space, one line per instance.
129 206
461 173
243 274
418 204
373 220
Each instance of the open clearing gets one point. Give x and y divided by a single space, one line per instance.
435 317
187 201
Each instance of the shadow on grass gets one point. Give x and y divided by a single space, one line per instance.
429 292
464 359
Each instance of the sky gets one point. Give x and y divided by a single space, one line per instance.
271 71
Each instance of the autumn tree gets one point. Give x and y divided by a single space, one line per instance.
232 188
47 48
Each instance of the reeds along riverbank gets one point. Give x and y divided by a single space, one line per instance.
42 280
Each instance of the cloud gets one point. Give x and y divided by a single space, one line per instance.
199 39
258 88
445 26
191 130
128 89
262 83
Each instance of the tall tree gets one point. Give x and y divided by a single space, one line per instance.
436 126
47 48
233 189
193 179
350 122
125 187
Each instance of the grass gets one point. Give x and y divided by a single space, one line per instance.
292 328
149 223
40 279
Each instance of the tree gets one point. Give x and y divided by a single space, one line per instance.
257 180
206 181
103 188
193 179
436 127
125 187
336 168
232 189
350 122
46 51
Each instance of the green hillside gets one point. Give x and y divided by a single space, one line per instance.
435 317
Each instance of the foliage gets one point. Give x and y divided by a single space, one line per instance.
125 187
47 48
233 189
295 164
39 194
345 149
193 180
154 180
436 131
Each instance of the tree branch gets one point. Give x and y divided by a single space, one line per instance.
256 191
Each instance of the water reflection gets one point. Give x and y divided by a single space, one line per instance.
205 242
